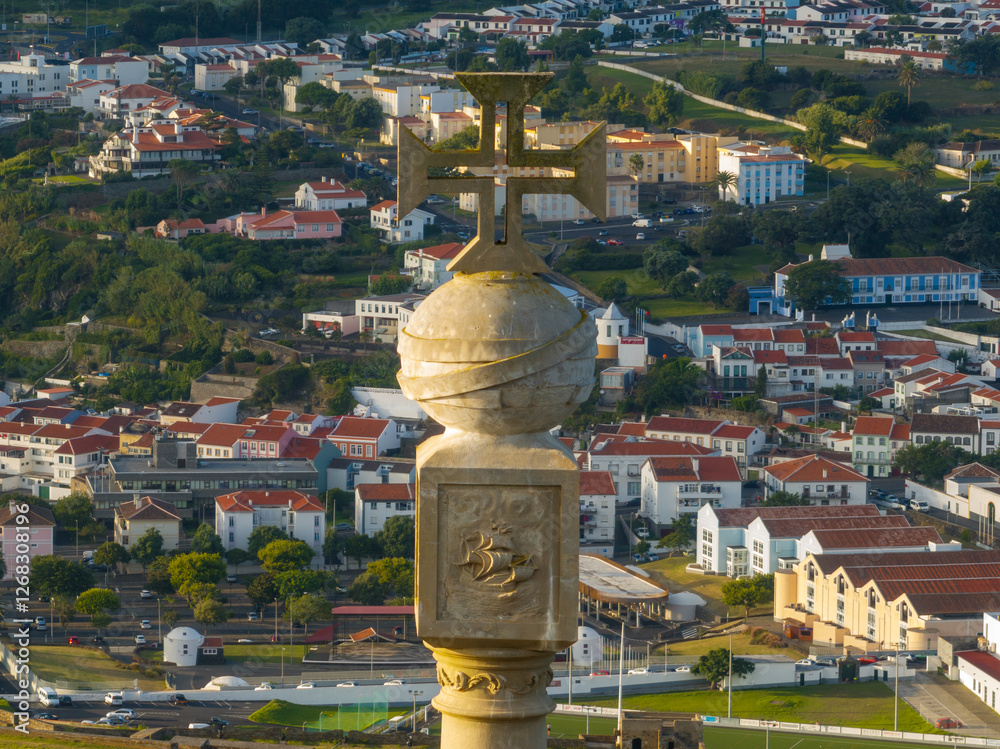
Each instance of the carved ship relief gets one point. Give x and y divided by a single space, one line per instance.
493 563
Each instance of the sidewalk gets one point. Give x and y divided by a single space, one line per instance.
934 697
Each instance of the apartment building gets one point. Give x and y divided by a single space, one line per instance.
817 479
763 174
675 486
597 513
136 518
301 516
148 150
374 504
624 457
394 229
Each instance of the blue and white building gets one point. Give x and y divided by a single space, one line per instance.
903 280
763 174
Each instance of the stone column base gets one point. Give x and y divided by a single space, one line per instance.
493 698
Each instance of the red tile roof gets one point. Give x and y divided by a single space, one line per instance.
695 469
741 517
226 435
988 663
649 447
89 444
597 483
874 425
682 425
383 205
734 432
906 348
783 335
245 501
846 336
811 469
716 330
441 251
753 334
355 427
385 492
921 359
875 538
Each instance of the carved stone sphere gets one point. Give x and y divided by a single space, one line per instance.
498 353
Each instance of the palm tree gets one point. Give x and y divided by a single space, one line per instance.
909 75
636 163
725 180
872 123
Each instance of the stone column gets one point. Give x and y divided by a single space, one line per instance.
499 358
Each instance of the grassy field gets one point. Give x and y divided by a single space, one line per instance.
927 334
866 704
83 667
743 738
572 726
690 650
670 572
265 653
281 713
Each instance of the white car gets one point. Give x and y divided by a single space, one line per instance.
306 685
347 684
637 216
196 726
640 236
244 641
145 594
638 670
123 712
144 624
263 686
805 662
683 669
393 683
140 639
642 532
249 111
579 222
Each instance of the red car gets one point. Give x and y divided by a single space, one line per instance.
615 243
74 640
867 659
600 673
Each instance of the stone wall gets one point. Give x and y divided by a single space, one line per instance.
38 349
227 386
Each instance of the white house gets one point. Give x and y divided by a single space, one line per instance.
410 228
597 513
328 195
133 519
376 503
383 316
624 458
729 439
763 173
674 486
979 670
147 151
818 479
301 516
122 69
429 265
32 76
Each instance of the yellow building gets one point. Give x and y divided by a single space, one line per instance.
872 602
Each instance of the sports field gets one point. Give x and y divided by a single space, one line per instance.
572 726
745 738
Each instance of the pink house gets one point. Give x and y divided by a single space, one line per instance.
244 441
284 225
171 228
40 529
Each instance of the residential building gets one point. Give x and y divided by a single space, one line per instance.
173 228
136 518
32 77
335 315
962 431
328 195
395 230
979 669
376 503
289 225
365 437
383 316
819 480
624 457
874 443
429 265
122 101
597 513
121 69
244 441
675 486
301 516
347 473
911 280
40 530
192 46
763 173
723 546
963 155
147 151
87 93
878 601
215 410
731 440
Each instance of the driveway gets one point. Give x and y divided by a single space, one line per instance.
934 697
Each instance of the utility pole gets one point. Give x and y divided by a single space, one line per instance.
258 21
729 712
763 34
895 695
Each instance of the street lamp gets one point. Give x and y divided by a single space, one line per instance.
413 694
283 665
276 620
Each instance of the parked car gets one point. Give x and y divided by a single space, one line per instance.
98 640
579 222
145 594
113 698
805 662
178 699
250 111
230 578
44 716
343 526
65 700
867 660
219 721
642 532
140 639
306 685
600 673
683 669
393 683
124 712
74 640
197 726
947 723
253 616
244 641
640 236
347 684
638 670
263 686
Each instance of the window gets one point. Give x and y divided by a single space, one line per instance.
633 487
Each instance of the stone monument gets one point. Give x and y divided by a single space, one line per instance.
498 357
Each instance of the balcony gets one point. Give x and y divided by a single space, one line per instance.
705 490
826 495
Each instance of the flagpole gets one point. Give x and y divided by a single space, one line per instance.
621 656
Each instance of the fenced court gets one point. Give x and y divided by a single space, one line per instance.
353 717
821 737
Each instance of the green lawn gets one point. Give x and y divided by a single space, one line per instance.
690 650
573 726
746 738
861 163
281 713
670 571
742 263
862 704
927 334
266 652
84 668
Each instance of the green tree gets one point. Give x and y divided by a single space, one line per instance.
147 548
52 575
682 284
303 30
748 592
396 573
668 383
307 609
511 55
368 590
778 231
981 167
366 114
784 499
612 289
908 76
72 509
236 557
191 574
285 555
210 612
725 180
262 590
110 554
714 666
97 601
760 389
929 463
398 537
206 541
824 127
183 172
158 577
872 123
662 263
360 547
815 283
332 546
665 104
636 163
916 163
294 583
261 536
715 288
575 80
314 94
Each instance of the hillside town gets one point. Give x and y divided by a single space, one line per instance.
299 444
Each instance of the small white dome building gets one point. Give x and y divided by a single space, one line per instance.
611 326
225 682
180 646
588 648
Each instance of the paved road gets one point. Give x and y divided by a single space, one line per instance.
936 697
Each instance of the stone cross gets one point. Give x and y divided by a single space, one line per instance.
483 253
